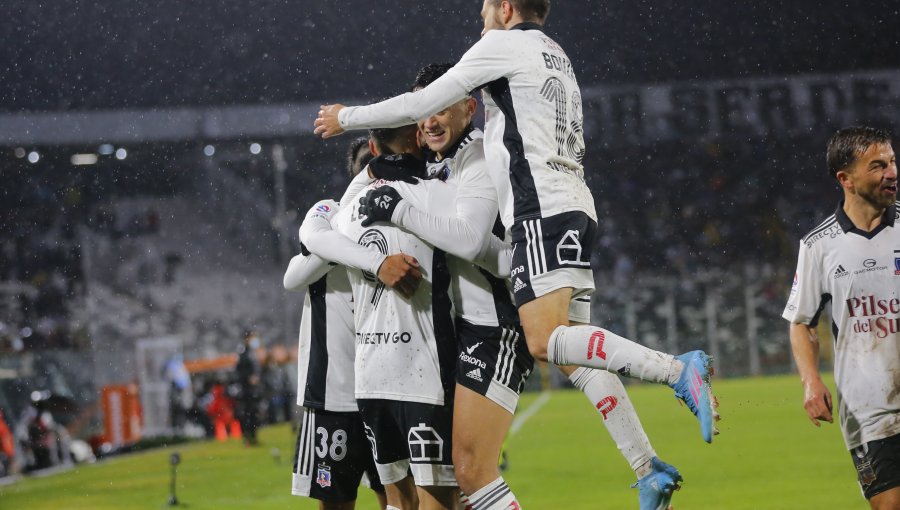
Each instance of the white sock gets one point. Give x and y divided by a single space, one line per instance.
494 496
593 347
607 393
389 507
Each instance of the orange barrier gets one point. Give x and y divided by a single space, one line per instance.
121 414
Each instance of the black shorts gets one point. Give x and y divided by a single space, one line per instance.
332 456
410 437
493 361
878 465
552 253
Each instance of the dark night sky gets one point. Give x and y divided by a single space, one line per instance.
100 54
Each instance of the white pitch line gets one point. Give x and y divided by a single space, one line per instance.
535 406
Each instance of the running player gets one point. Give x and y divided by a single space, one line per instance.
534 146
853 260
492 362
332 453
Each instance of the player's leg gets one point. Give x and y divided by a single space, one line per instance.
545 320
438 498
429 439
479 427
493 365
656 480
878 472
402 494
549 264
388 442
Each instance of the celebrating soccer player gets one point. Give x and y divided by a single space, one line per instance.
534 146
852 259
493 362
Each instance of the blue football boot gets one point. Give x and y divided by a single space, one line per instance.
655 489
693 388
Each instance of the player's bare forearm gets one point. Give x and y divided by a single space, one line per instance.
817 398
327 124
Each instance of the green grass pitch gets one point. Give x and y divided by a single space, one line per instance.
769 456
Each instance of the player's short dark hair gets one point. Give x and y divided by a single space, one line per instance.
384 137
358 156
849 143
428 74
531 10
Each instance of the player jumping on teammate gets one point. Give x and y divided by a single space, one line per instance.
534 146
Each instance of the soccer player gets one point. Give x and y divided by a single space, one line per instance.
332 453
405 346
534 146
852 259
493 363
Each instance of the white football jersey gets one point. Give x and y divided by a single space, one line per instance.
405 348
478 297
534 140
326 351
859 273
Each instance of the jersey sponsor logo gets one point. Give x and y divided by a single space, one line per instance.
516 271
425 444
323 476
870 265
323 208
596 339
795 285
470 350
475 374
832 232
383 338
840 271
568 250
465 358
873 315
896 263
606 405
519 285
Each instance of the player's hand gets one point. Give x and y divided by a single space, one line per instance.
401 273
379 205
398 167
327 124
817 402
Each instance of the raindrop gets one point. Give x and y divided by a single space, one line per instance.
33 157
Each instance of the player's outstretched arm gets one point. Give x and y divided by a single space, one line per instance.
817 397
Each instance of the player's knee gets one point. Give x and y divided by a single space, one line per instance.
538 350
468 470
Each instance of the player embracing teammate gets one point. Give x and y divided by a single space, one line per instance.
533 146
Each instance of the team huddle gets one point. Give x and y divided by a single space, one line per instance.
454 259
